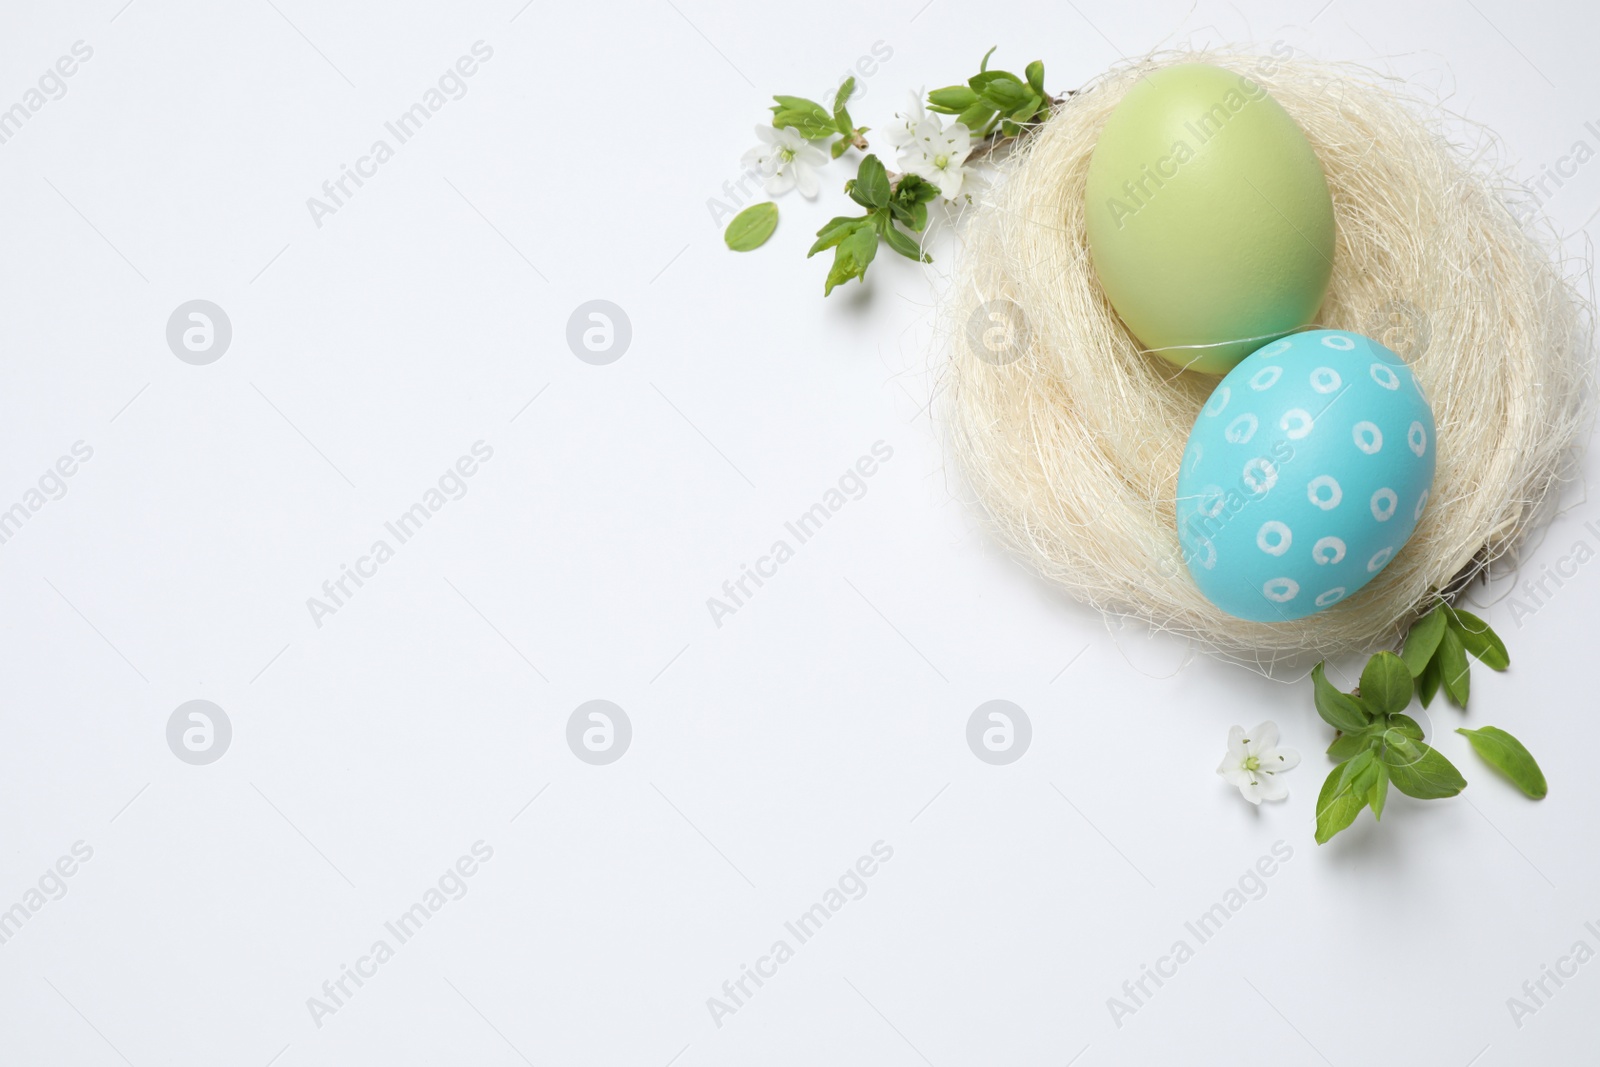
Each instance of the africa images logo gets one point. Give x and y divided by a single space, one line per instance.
451 85
851 885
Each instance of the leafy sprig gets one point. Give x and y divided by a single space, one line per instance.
890 205
994 98
1379 745
817 123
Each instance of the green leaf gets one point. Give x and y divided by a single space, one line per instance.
914 215
900 241
871 186
1360 771
951 100
1419 770
840 147
1506 754
751 227
1480 639
1347 745
1405 726
1378 792
809 118
851 257
1453 669
809 127
1386 684
836 230
1339 710
1360 776
1035 72
1337 806
985 64
841 117
1422 641
1428 683
977 118
1002 89
796 103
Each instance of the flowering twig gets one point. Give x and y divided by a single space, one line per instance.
992 110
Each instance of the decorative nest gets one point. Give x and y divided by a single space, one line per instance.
1070 434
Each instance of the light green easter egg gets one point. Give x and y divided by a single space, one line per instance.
1208 217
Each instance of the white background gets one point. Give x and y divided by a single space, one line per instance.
827 714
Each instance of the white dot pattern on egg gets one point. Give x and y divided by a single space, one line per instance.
1325 380
1296 423
1265 378
1240 430
1314 480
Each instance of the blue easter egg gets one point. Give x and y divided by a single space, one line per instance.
1306 472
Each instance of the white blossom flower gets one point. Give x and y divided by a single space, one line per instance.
787 160
1255 763
903 130
938 154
